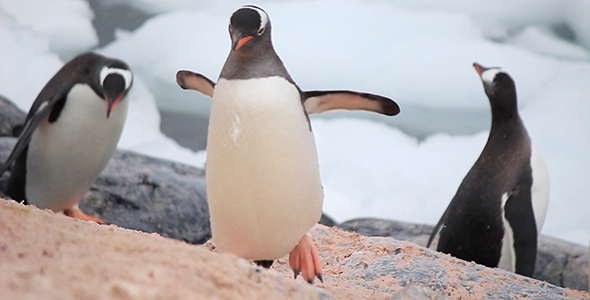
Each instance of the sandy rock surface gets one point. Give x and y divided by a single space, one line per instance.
45 255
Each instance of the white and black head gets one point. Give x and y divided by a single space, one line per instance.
249 26
112 82
498 85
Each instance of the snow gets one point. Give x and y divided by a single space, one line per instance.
66 23
418 52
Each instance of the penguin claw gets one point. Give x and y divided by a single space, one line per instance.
79 214
304 260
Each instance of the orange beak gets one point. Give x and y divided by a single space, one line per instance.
111 104
240 41
478 68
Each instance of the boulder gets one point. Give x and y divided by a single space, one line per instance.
558 262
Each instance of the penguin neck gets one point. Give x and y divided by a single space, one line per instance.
263 62
507 125
504 107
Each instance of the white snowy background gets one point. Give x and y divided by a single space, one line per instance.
418 52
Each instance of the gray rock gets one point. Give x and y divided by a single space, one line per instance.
558 262
562 263
385 266
10 117
416 292
151 195
416 233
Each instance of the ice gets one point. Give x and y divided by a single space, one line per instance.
66 23
172 52
25 60
404 179
542 40
576 14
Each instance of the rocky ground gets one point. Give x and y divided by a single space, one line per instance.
45 255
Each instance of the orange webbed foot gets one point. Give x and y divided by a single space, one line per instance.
304 260
76 212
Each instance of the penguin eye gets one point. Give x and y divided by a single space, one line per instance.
261 30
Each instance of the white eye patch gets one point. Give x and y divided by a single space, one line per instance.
126 74
488 75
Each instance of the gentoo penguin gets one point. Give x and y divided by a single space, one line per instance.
263 182
499 209
70 134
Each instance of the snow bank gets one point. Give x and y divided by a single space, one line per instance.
66 23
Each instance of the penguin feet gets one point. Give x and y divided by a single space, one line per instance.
304 260
76 212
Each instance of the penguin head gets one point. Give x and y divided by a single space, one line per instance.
114 81
249 26
498 85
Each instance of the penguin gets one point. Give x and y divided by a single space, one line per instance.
262 173
498 211
69 134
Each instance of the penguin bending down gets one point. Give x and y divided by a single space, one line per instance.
263 180
498 211
70 134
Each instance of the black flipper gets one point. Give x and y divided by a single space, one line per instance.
518 211
316 102
438 227
40 109
193 81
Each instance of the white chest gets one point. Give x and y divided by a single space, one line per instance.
263 181
66 157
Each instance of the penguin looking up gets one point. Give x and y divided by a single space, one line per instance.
498 211
263 180
70 134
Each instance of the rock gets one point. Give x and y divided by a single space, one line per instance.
563 263
416 292
46 255
327 220
558 262
10 117
416 233
383 266
152 195
148 194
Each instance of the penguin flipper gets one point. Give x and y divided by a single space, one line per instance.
436 230
518 211
316 102
196 82
33 119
